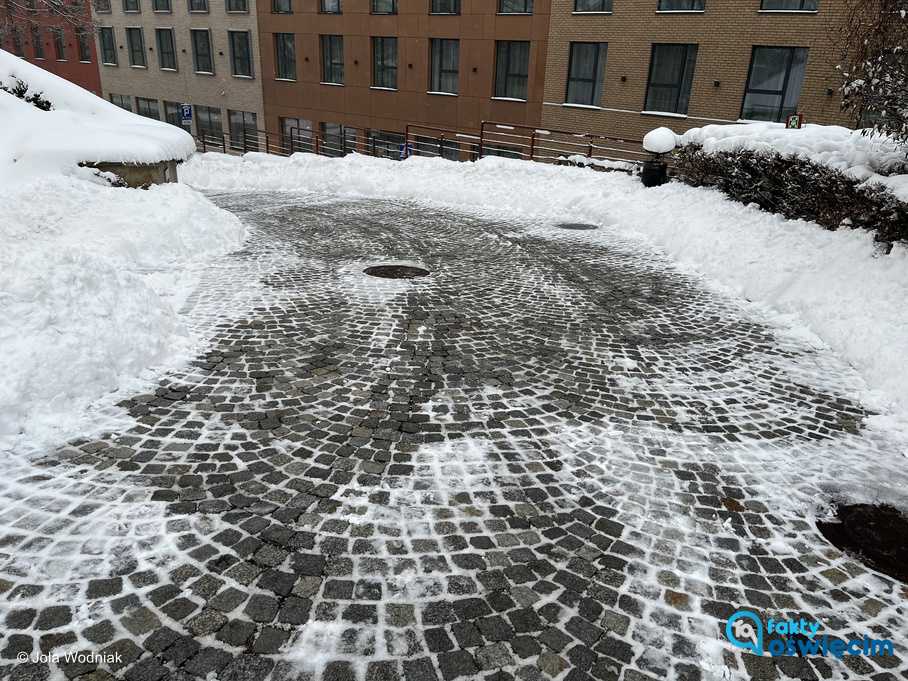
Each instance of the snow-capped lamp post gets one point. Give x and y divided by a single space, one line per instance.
657 142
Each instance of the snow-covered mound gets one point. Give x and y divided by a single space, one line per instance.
80 128
865 157
833 283
91 276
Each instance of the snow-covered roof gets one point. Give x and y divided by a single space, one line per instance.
81 128
866 157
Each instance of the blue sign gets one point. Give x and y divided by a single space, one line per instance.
186 113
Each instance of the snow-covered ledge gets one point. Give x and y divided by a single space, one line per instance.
81 130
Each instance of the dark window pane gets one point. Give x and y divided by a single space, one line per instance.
148 108
445 66
243 130
592 5
384 62
59 41
201 51
774 83
160 5
789 5
198 5
240 53
515 6
333 59
512 67
585 69
671 77
237 6
285 56
167 54
135 43
108 46
330 6
445 7
384 6
680 5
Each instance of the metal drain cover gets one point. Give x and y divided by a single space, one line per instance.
875 535
396 272
575 225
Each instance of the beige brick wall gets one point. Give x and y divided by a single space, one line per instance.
221 90
725 32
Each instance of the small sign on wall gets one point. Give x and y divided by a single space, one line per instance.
186 114
795 121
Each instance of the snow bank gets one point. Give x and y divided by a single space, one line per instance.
91 277
80 128
871 158
834 283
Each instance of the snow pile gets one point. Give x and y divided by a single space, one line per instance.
833 283
80 128
660 141
91 277
872 158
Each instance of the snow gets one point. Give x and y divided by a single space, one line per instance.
834 287
90 294
80 128
660 141
865 157
91 276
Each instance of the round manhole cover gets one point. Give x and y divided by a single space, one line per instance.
396 272
875 535
575 225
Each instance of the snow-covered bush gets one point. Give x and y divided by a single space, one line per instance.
20 89
797 188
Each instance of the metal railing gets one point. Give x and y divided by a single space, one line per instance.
493 139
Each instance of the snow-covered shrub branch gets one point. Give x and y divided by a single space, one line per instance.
797 188
874 64
20 89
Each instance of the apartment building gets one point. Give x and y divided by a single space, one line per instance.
358 71
156 55
61 44
624 67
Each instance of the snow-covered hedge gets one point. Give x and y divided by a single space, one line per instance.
827 174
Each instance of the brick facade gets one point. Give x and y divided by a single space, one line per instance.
726 32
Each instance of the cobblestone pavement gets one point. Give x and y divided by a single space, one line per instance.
557 457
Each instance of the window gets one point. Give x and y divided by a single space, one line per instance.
333 59
198 5
296 134
173 114
592 5
774 83
160 5
135 43
681 5
512 68
671 75
167 53
445 7
585 67
122 101
243 130
37 42
17 42
385 144
515 6
201 51
438 147
237 5
208 121
148 108
330 6
282 6
102 6
788 5
108 46
59 43
337 140
83 43
285 56
131 6
384 63
240 53
445 65
384 6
